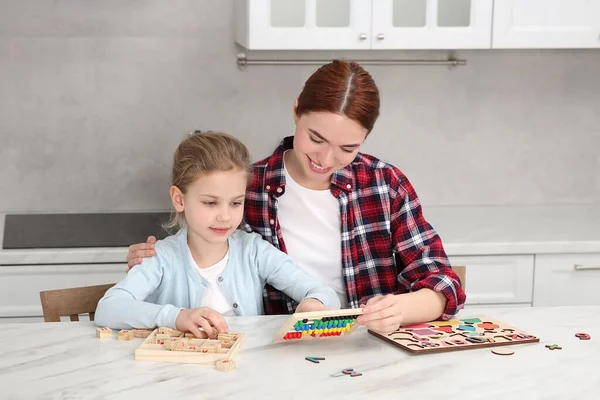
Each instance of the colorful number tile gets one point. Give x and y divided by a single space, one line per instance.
488 325
416 326
424 332
451 322
471 320
466 328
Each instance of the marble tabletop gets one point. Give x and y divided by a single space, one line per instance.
65 360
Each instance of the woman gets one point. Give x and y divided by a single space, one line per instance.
348 218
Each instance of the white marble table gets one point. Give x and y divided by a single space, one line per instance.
65 360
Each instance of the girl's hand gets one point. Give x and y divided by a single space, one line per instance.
382 313
206 318
310 305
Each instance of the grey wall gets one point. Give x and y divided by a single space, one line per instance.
95 95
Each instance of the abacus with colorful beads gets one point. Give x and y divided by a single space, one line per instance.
318 325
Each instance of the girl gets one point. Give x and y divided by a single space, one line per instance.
209 268
347 218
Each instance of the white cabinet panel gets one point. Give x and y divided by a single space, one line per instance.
303 24
20 286
567 280
497 279
432 24
546 24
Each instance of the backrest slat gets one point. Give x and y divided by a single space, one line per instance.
71 302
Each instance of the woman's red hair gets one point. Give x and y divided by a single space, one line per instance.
341 87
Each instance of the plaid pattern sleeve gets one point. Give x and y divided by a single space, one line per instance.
423 263
387 245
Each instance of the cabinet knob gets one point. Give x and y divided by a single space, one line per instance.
380 36
362 36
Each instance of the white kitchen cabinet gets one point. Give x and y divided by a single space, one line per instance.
20 285
567 279
303 24
363 24
497 280
546 24
432 24
416 24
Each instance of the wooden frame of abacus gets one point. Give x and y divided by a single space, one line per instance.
315 315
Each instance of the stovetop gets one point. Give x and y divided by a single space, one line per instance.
50 231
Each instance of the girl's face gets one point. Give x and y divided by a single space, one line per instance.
213 205
323 143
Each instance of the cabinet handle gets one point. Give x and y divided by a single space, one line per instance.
362 36
580 267
380 36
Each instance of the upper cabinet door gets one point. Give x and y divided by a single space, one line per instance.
432 24
303 24
546 24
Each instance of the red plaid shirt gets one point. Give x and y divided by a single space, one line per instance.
387 245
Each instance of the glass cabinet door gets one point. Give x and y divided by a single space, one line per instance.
432 24
306 24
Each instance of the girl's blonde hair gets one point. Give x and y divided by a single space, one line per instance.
203 153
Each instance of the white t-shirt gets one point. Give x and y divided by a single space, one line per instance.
311 228
214 297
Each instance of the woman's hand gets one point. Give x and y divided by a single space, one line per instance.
206 318
382 313
138 251
311 305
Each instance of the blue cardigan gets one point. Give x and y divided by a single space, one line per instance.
153 293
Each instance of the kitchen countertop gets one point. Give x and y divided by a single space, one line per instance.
464 231
65 360
517 230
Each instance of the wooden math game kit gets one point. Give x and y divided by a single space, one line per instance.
431 337
169 345
318 325
456 334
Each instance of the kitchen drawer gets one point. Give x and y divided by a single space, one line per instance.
497 279
567 280
20 286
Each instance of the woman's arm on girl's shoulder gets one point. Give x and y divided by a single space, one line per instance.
277 269
123 306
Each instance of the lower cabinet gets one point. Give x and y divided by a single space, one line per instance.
531 280
20 285
497 280
491 280
567 280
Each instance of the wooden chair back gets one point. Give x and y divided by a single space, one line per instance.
461 271
72 302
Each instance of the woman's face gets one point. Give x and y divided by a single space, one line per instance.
323 143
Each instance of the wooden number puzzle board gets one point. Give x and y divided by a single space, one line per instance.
318 325
191 351
457 334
